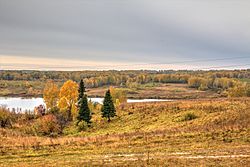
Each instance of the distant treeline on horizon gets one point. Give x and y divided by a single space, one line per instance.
120 78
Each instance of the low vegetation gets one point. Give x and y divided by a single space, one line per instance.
74 131
183 133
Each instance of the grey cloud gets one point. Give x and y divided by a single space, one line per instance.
131 31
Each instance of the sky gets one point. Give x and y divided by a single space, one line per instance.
124 34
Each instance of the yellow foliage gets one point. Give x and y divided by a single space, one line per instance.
74 111
119 96
117 102
63 103
50 94
68 96
239 90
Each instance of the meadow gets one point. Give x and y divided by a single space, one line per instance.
206 124
208 132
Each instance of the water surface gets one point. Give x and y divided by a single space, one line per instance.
24 104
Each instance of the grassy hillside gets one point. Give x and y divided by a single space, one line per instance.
181 133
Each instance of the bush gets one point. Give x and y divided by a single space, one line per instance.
27 116
61 119
239 90
5 118
82 125
195 82
47 125
54 110
189 116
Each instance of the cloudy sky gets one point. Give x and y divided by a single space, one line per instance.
124 34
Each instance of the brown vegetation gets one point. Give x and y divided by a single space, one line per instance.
182 133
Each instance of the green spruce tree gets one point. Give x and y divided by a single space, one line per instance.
81 91
108 108
84 111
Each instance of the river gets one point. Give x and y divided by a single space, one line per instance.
28 104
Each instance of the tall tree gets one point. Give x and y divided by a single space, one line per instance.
68 98
50 95
81 90
119 96
108 108
84 111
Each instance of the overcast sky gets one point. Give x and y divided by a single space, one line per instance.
124 34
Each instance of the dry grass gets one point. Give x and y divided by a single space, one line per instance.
148 134
163 91
166 91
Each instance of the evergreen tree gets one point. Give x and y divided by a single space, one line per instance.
81 91
84 111
108 108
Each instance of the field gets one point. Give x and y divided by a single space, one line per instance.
152 90
180 133
159 91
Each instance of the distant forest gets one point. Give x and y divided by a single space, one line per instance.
214 79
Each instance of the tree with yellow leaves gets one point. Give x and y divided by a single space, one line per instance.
119 96
68 98
50 95
239 90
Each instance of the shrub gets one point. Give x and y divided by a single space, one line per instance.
61 119
82 125
5 118
54 110
27 116
47 125
195 82
189 116
239 90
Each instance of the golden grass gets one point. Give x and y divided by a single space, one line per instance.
164 91
148 134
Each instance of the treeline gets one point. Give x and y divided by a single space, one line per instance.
211 83
129 78
232 87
